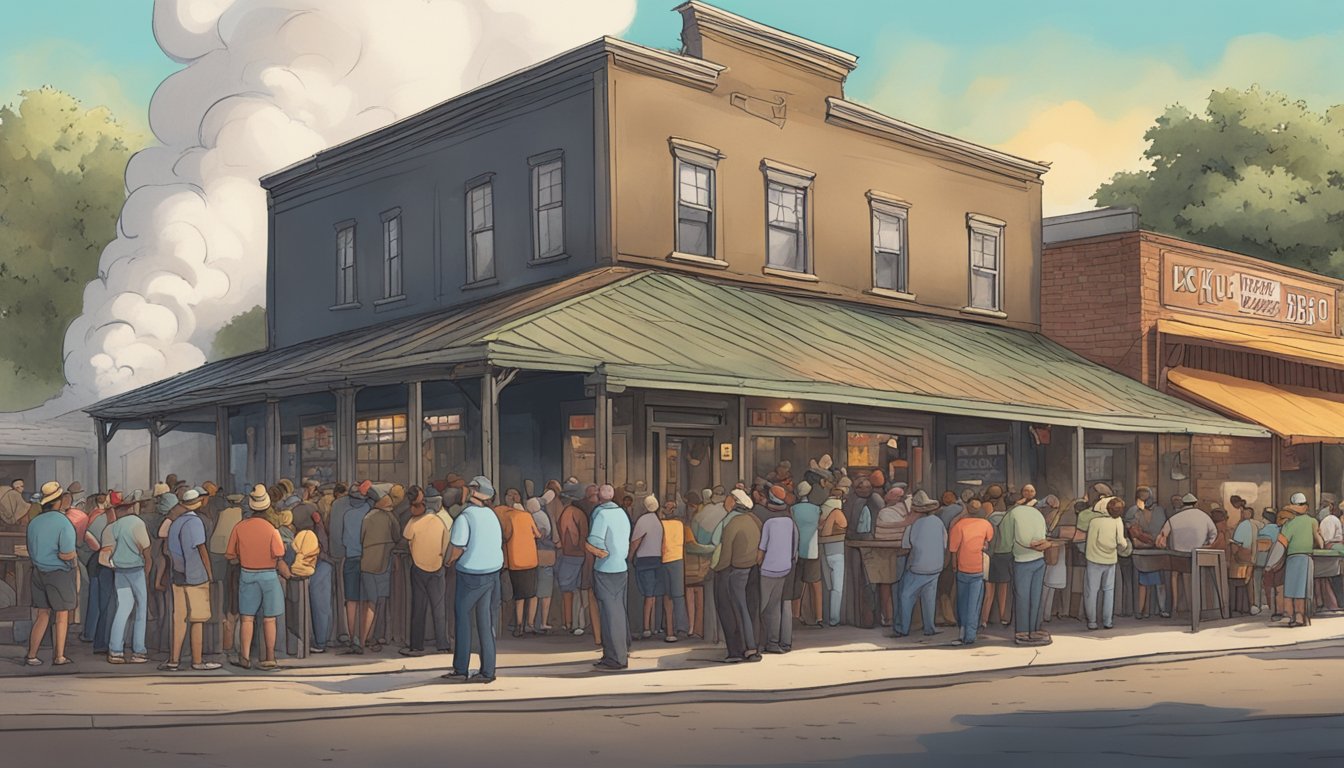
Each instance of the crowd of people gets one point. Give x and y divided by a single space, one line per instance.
774 554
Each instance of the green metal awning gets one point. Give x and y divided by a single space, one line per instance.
661 330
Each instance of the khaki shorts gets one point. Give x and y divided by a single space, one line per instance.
191 603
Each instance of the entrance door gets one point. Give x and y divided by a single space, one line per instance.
683 462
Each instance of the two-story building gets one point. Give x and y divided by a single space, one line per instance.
681 268
1257 341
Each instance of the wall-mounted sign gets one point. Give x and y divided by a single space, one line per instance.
1193 283
725 451
759 417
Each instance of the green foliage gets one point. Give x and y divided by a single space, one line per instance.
61 189
1257 173
244 333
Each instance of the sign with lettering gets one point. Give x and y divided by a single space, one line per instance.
1234 290
980 465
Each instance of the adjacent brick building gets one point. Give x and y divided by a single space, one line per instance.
1255 340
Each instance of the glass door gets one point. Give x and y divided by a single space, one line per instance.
683 462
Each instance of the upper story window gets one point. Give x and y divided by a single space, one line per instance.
891 260
986 239
548 205
786 225
392 253
695 166
481 229
346 293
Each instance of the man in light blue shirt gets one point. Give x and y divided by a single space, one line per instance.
609 542
51 547
477 553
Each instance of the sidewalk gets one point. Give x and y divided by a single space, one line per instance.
556 672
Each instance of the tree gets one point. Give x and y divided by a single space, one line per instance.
1257 173
244 333
61 189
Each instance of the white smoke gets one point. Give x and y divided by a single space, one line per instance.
267 83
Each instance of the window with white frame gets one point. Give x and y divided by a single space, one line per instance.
891 261
695 166
786 234
986 240
392 253
481 231
345 264
548 206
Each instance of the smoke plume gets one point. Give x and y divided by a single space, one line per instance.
266 83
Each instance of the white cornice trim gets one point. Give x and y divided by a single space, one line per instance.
814 56
686 70
848 113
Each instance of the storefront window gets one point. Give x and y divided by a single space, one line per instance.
581 446
768 452
900 457
380 448
1297 472
449 437
979 465
247 446
1332 470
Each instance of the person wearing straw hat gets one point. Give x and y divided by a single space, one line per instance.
191 582
477 554
51 547
255 545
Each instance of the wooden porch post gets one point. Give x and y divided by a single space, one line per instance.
103 436
154 475
1079 462
345 435
602 429
222 449
272 441
489 425
414 429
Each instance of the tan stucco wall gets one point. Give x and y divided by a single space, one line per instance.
645 111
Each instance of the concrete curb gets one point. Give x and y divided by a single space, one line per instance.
63 722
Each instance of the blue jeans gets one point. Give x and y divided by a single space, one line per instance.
833 574
319 599
970 594
131 594
611 591
107 605
1028 582
924 588
472 599
1099 578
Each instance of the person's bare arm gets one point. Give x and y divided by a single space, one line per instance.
594 551
149 562
205 560
283 568
454 553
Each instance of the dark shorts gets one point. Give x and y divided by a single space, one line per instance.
674 578
809 570
350 577
54 590
1150 578
1000 568
375 586
524 583
568 572
648 576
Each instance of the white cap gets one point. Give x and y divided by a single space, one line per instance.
1298 498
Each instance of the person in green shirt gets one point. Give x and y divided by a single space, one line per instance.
1299 537
1025 525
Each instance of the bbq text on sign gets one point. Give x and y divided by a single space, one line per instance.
1239 291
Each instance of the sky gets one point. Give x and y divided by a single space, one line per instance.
1072 82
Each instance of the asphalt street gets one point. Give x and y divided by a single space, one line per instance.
1277 708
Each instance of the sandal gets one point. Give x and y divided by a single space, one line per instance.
170 666
115 658
63 661
32 661
139 658
270 666
242 662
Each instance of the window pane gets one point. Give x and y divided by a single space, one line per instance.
783 250
483 255
887 232
984 290
550 231
693 232
889 271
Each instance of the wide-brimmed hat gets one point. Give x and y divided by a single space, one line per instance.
234 498
210 488
192 498
921 502
51 491
259 500
159 490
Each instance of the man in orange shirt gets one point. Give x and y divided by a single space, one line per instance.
520 557
968 541
256 546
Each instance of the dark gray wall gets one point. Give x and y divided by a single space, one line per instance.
424 173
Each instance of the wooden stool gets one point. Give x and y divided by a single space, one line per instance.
1215 559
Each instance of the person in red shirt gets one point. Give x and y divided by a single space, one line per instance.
968 541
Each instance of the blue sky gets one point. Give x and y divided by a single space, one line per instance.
1064 80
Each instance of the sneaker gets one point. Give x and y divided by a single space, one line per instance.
754 657
354 650
411 652
482 679
451 675
670 639
774 649
33 661
607 666
207 666
1255 610
577 631
1091 627
317 650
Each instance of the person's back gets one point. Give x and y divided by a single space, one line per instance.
779 542
1301 534
928 542
520 538
184 535
230 517
427 537
611 525
1191 528
129 537
478 533
573 526
967 540
1106 541
807 516
352 527
741 540
1027 525
378 535
256 544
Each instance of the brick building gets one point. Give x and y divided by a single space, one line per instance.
1254 340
